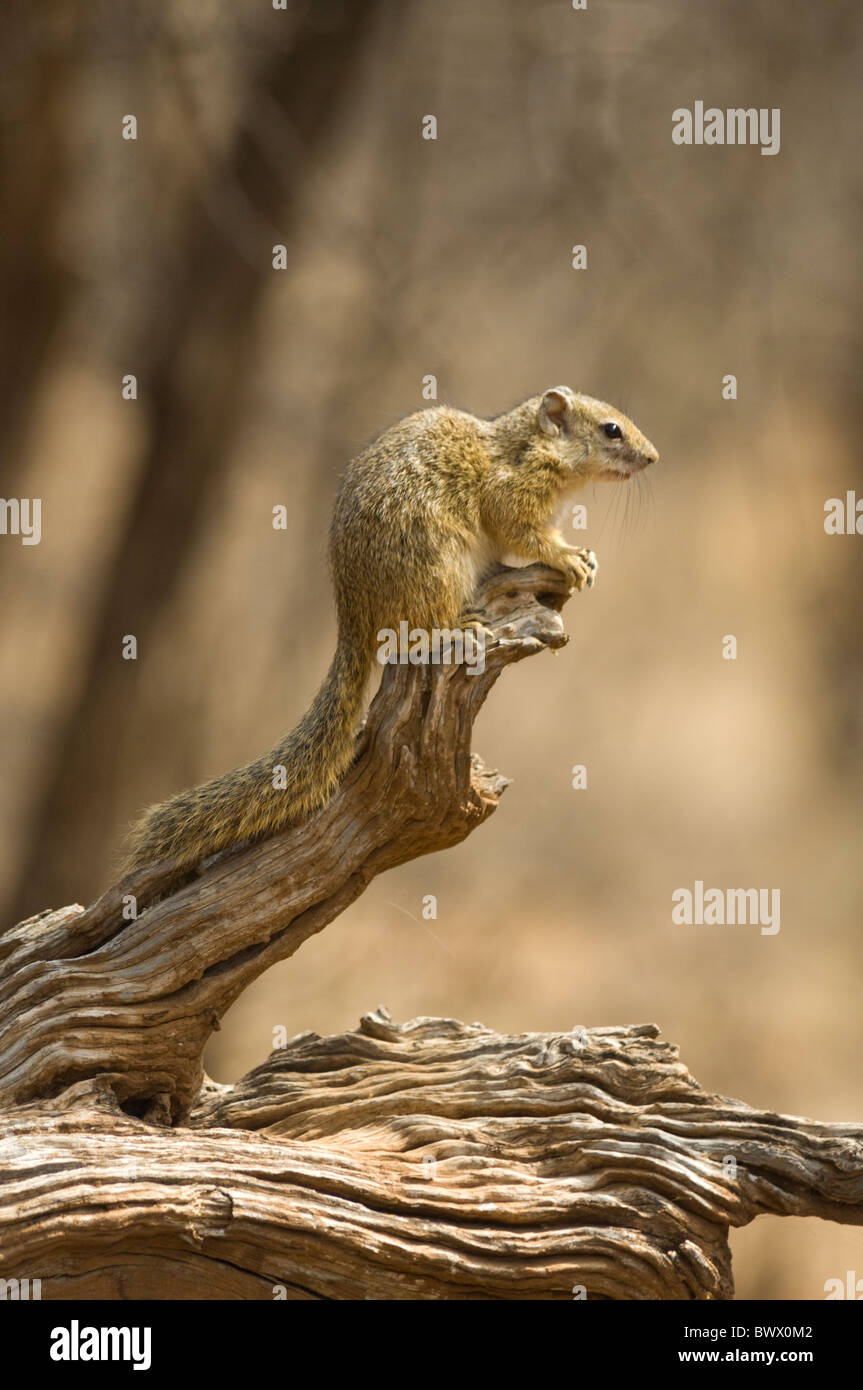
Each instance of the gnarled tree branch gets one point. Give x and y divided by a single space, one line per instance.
434 1159
88 993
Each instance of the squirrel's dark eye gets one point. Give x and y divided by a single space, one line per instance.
612 431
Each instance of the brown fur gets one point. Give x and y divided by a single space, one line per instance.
421 513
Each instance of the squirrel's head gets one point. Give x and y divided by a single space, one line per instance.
593 439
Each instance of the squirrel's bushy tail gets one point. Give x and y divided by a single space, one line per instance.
276 790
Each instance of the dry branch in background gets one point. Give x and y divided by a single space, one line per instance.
435 1159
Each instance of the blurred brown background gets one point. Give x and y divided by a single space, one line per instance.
408 257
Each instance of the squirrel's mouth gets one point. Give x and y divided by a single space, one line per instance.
621 471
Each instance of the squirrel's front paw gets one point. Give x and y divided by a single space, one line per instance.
581 566
477 622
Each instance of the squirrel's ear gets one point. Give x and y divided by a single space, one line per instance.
555 411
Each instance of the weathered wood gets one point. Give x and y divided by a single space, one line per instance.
430 1160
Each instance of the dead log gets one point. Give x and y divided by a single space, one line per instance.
430 1160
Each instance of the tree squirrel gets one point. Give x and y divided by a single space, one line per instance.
436 501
